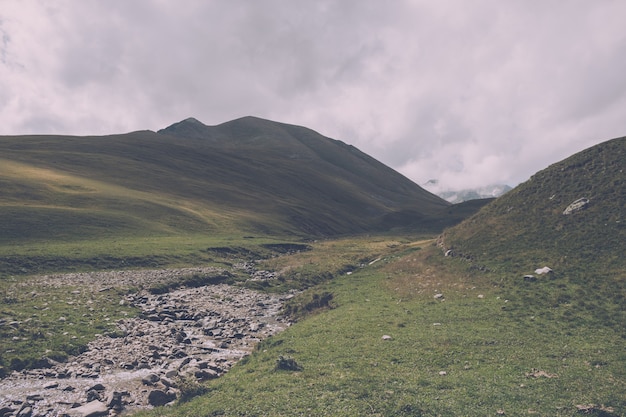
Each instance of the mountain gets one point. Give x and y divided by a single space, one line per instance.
531 216
489 191
248 175
459 196
569 217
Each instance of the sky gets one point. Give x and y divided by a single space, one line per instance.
469 92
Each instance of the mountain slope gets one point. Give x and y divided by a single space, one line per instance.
533 226
250 175
531 217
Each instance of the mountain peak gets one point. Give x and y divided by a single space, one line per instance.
193 120
189 128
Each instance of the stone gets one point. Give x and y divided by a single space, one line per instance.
6 411
97 387
158 398
544 270
150 379
438 296
577 205
91 409
93 395
386 337
34 397
530 278
26 411
116 402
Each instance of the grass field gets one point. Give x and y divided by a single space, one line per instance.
465 353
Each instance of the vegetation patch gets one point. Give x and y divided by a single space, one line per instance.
307 303
44 323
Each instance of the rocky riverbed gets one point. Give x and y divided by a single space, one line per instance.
188 334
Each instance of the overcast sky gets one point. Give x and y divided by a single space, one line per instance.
470 92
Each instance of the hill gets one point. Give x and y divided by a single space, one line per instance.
246 176
536 225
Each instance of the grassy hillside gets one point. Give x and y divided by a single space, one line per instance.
527 229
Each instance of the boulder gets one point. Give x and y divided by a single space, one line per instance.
158 398
91 409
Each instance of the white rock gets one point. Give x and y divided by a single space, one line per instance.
544 270
386 337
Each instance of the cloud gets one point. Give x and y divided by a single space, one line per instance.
469 93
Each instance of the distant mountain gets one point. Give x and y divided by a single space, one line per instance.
248 175
459 196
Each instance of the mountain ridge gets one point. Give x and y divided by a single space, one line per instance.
249 174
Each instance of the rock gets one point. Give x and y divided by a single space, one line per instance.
158 398
34 397
6 411
150 379
116 402
91 409
530 278
577 205
203 374
97 387
438 297
26 411
544 270
93 395
386 337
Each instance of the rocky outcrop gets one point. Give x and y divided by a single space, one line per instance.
577 205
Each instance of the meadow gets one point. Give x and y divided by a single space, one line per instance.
388 343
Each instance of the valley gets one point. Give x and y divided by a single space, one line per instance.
256 268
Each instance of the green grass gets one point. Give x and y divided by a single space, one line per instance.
53 322
487 350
